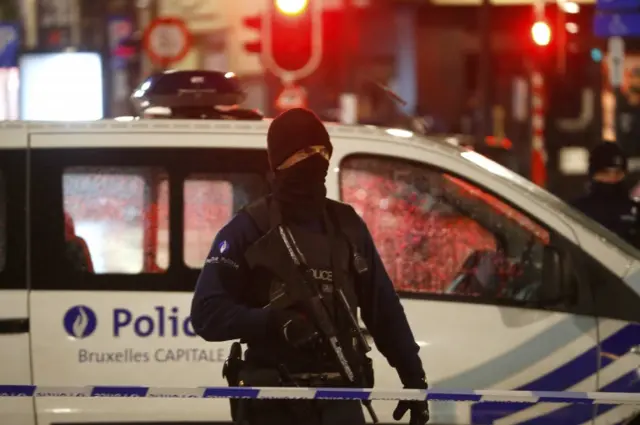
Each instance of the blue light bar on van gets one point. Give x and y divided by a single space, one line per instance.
193 94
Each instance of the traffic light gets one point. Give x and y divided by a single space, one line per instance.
291 7
254 23
541 33
570 14
292 37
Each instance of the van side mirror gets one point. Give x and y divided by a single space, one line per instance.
557 286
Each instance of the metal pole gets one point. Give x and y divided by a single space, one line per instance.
538 151
541 67
484 74
348 98
146 14
75 20
349 31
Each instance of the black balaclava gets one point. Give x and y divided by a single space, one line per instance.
299 189
607 155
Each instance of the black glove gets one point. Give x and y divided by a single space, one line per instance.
419 409
291 328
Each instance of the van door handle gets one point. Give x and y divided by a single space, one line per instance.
14 326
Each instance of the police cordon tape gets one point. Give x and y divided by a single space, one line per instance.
439 394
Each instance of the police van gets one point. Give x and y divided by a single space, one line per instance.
104 227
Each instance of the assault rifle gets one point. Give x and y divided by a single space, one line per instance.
298 289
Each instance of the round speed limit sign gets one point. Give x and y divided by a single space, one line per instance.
166 40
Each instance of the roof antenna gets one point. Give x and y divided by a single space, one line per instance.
416 124
390 93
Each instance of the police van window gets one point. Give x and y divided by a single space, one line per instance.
116 219
438 234
210 200
3 223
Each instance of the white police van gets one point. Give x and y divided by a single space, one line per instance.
105 225
146 198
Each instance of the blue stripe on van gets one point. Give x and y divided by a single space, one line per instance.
577 414
564 377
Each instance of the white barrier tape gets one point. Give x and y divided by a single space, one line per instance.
323 393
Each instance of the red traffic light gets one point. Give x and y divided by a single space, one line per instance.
254 23
541 33
289 37
291 7
290 29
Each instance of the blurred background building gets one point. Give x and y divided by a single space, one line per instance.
462 66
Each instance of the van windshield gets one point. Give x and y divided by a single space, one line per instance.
550 200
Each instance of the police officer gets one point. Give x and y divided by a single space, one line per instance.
607 200
628 115
233 295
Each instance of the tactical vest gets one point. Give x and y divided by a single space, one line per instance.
331 255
